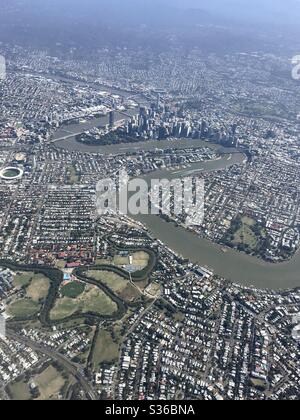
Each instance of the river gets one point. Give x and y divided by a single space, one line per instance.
237 267
64 137
233 265
71 144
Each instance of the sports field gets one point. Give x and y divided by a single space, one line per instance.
139 259
73 289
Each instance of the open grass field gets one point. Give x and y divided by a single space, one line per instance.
72 290
50 383
60 264
120 261
106 349
73 178
97 301
117 284
22 279
245 234
19 391
140 259
91 300
101 261
130 293
38 288
23 308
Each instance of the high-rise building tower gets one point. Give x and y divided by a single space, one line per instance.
143 111
158 101
111 119
203 129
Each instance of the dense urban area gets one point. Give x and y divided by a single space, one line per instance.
99 306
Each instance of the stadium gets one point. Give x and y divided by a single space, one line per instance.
10 174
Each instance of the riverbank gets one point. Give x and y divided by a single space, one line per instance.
71 144
240 268
237 267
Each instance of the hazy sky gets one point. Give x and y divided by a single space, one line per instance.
277 11
96 21
269 10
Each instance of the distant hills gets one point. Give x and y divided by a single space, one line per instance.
210 24
250 11
154 11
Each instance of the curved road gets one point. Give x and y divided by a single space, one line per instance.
71 368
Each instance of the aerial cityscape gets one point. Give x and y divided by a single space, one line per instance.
149 303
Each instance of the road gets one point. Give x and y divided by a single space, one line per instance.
71 368
131 329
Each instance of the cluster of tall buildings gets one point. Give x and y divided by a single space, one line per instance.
161 122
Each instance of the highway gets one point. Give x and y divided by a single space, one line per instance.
71 368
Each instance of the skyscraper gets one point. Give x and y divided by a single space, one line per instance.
203 129
111 119
158 101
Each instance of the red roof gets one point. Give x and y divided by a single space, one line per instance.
72 265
